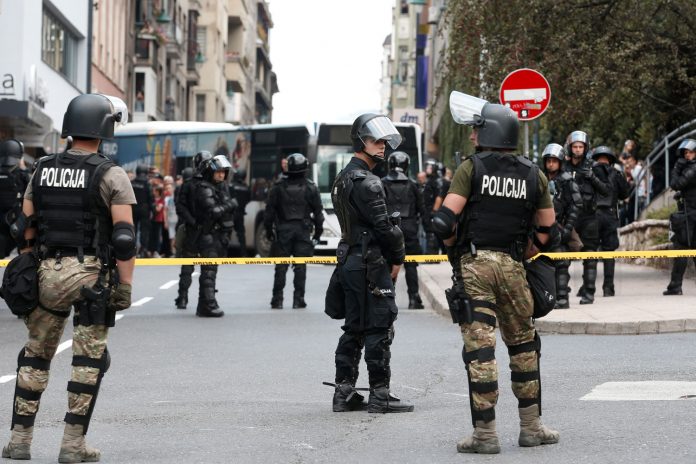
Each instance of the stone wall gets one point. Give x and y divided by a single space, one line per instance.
649 234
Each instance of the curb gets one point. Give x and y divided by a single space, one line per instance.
435 296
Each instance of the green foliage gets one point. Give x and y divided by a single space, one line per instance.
618 69
660 238
662 213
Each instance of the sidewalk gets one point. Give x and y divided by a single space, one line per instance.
638 307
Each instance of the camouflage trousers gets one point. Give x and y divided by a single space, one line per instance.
59 289
497 286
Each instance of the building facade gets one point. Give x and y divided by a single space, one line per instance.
46 65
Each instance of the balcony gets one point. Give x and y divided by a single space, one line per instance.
175 41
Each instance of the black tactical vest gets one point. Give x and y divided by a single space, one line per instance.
352 225
9 193
499 211
293 200
561 195
140 189
401 197
689 192
587 191
70 211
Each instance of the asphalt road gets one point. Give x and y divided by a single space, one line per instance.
247 388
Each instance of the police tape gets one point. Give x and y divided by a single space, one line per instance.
425 259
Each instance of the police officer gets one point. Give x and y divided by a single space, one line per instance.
242 194
432 188
13 183
370 255
186 231
213 210
404 196
683 180
77 215
567 203
591 186
293 215
501 196
142 212
607 209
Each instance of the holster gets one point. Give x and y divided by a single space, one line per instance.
94 308
459 303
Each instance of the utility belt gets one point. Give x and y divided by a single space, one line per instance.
65 252
606 209
516 250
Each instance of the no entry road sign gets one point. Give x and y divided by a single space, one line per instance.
526 92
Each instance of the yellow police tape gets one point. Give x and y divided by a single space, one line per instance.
410 258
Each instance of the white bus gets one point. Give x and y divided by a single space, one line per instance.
255 151
333 150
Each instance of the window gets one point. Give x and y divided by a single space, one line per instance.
200 107
200 38
58 47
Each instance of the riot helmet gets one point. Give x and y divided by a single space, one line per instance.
497 125
686 144
187 174
371 126
11 152
603 150
199 159
554 150
297 165
577 136
142 170
94 116
209 167
398 165
431 167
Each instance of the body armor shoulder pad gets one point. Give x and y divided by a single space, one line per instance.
373 185
358 174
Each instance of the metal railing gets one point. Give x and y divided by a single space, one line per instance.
661 151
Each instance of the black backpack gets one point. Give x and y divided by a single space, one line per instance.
541 277
20 284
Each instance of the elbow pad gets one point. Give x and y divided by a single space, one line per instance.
443 222
123 241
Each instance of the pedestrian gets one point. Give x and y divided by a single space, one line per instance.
159 220
683 181
188 230
639 182
142 211
13 183
567 203
404 197
504 200
82 230
213 210
243 195
607 209
584 173
294 223
172 219
370 255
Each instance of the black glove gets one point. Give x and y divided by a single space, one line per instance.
586 173
270 235
120 297
316 238
454 258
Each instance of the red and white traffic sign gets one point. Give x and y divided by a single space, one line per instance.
526 92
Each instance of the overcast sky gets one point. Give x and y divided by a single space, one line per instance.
327 55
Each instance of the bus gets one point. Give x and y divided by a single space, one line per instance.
333 150
255 151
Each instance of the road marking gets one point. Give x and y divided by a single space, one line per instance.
119 317
169 285
641 391
7 378
62 347
142 301
195 274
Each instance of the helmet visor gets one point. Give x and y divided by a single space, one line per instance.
466 109
688 144
219 163
380 128
120 110
554 150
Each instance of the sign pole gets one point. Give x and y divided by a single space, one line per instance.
526 139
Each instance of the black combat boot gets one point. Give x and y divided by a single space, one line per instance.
346 398
562 304
608 290
298 302
608 285
589 276
277 302
207 305
382 401
674 288
414 301
181 301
